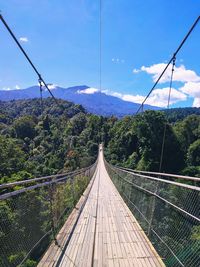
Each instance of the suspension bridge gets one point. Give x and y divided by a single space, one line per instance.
122 218
101 215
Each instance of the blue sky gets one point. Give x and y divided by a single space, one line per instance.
138 38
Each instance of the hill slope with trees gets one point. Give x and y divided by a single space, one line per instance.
35 143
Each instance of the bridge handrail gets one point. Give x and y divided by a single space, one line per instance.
168 212
16 192
161 198
157 179
175 176
33 180
38 211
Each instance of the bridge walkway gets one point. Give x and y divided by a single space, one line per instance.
107 234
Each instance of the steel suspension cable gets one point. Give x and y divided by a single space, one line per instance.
100 44
28 59
170 61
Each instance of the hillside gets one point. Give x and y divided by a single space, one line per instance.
178 114
34 143
97 102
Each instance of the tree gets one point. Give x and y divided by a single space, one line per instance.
188 131
12 157
193 155
25 127
150 131
78 123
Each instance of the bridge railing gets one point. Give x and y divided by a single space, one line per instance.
33 211
168 212
167 176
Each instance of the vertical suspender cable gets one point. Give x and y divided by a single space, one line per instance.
41 99
168 103
162 152
100 44
100 55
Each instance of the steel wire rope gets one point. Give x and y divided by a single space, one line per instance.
15 203
166 67
168 103
29 60
77 219
159 197
173 237
162 147
159 237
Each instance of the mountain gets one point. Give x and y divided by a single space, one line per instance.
93 100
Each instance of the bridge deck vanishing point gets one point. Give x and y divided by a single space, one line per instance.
106 234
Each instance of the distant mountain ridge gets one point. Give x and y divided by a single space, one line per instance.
96 102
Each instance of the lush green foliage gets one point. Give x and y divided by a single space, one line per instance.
35 143
22 225
64 139
181 233
179 114
136 142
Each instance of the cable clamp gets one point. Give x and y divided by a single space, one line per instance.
174 62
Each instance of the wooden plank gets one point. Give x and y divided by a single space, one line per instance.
112 238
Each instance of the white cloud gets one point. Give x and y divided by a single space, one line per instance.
133 98
136 71
52 86
181 74
189 78
125 97
6 88
196 103
9 89
23 39
118 60
88 91
159 97
108 92
192 89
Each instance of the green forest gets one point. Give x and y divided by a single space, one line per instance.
36 142
45 140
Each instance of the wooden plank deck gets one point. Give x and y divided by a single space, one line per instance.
107 234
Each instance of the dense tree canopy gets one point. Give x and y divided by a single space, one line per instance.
64 139
136 142
34 144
